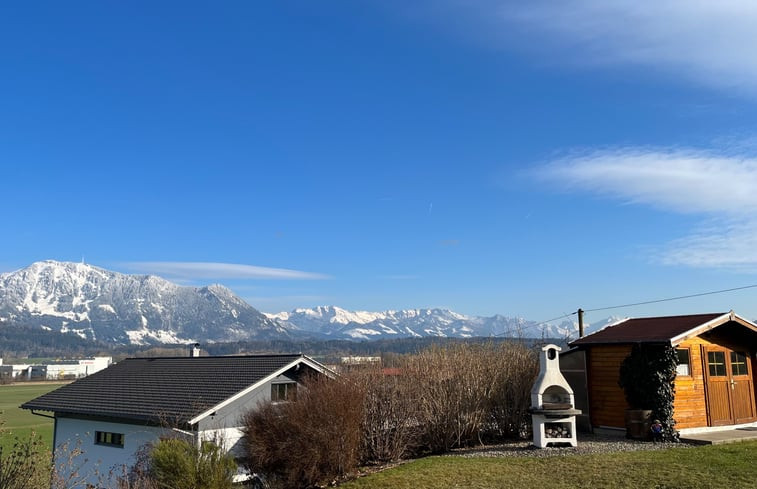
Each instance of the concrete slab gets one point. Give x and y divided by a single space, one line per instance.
720 437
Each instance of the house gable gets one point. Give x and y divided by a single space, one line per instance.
244 394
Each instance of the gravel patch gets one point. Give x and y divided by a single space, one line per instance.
586 444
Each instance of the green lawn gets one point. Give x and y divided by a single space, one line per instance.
726 466
20 421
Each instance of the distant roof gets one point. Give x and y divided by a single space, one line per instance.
662 329
172 390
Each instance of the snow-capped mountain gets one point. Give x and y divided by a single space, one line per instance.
116 308
335 322
111 307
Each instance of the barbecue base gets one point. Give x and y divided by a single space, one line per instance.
554 428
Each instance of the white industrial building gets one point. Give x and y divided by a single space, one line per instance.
74 369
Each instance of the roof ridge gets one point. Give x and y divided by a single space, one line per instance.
187 357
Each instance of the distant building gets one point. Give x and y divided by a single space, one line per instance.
74 369
353 360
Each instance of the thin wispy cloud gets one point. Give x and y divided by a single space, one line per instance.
730 246
215 271
711 42
719 188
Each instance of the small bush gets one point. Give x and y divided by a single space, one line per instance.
176 463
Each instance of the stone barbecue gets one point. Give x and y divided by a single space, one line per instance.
552 410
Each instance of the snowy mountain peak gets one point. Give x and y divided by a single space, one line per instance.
104 305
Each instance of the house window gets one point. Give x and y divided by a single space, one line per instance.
716 363
283 392
684 362
738 363
109 439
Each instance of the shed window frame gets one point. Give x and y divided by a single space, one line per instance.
109 439
716 363
739 361
683 372
283 391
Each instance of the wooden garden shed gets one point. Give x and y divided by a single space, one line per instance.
714 380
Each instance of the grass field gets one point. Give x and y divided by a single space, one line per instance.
20 421
681 468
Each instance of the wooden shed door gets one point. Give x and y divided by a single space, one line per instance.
730 390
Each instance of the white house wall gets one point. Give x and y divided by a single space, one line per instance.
74 433
225 426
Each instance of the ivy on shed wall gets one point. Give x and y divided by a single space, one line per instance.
647 377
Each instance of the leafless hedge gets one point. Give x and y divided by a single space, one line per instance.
466 392
390 428
441 398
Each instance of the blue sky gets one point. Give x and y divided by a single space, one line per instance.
521 158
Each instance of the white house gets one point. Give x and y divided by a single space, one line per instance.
111 414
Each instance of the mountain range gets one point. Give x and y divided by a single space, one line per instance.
111 307
115 308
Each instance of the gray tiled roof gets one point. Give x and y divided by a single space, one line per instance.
160 389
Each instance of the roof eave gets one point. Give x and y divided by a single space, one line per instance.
712 324
618 342
98 414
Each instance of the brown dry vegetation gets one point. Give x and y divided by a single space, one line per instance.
441 398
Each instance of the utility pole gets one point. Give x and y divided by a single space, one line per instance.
580 323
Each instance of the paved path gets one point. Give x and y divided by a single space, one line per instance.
721 436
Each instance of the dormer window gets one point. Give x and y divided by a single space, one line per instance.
285 391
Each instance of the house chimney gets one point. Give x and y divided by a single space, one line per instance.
194 350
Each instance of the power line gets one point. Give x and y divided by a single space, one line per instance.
655 301
540 323
671 298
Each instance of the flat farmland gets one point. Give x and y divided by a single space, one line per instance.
20 421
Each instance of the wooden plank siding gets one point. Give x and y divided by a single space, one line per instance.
607 402
690 405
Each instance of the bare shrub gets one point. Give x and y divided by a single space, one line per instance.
311 440
451 395
389 429
25 464
466 390
514 369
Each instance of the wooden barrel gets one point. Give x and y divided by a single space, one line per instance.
638 423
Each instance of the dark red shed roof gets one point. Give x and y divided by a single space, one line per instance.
647 330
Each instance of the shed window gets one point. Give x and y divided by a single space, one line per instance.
109 439
684 362
738 363
716 363
283 392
